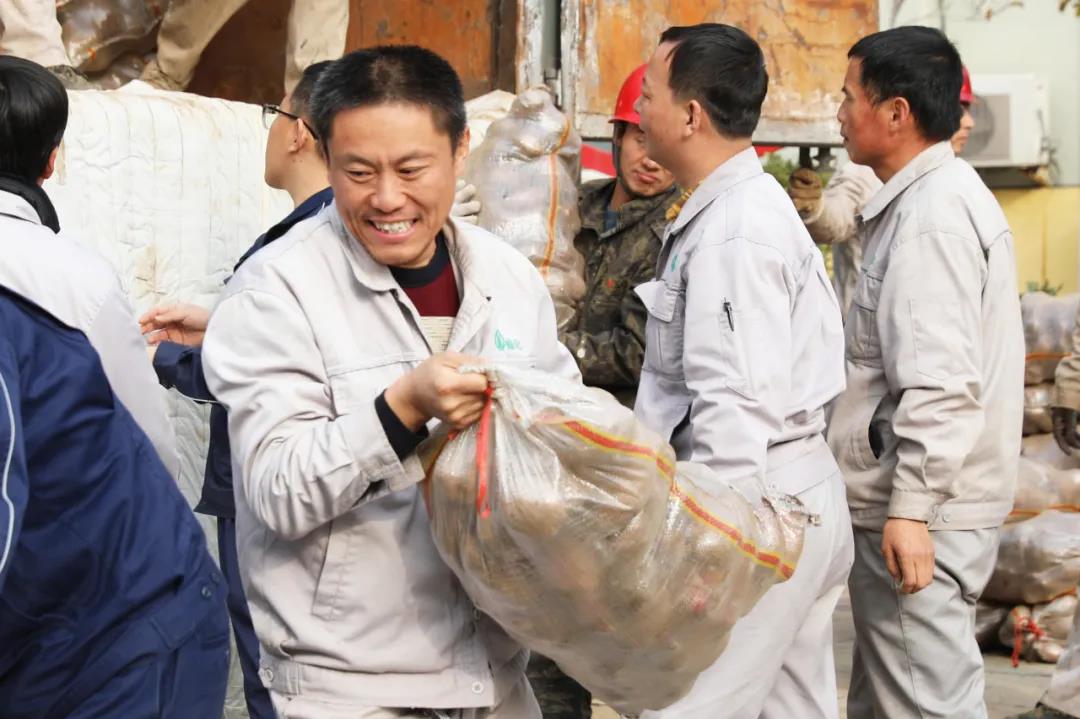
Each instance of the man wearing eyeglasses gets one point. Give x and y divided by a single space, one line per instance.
175 332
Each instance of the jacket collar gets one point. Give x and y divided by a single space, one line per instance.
926 161
26 201
736 169
596 197
377 277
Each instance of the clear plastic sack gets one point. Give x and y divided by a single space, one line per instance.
988 620
1041 486
1039 633
1038 560
1037 399
1048 328
96 32
572 526
526 174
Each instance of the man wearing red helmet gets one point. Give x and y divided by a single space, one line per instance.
830 214
622 223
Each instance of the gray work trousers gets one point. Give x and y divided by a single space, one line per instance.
1064 691
915 654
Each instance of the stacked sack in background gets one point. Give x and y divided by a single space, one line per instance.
526 175
110 40
1029 602
571 525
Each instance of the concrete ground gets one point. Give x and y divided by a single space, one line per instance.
1008 691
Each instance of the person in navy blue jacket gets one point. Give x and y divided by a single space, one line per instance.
110 605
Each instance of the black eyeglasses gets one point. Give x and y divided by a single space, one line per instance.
269 111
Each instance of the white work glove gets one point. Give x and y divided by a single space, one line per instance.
466 207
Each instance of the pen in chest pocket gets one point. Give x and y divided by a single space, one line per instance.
730 315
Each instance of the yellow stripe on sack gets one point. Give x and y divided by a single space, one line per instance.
621 445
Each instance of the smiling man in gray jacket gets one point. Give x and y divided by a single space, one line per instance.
333 349
928 431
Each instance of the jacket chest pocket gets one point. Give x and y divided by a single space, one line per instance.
664 336
356 384
863 341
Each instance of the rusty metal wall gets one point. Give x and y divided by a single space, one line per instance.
465 32
805 43
246 60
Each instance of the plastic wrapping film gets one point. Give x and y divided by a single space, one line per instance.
1040 487
1048 328
1038 560
96 32
572 526
526 173
989 617
123 70
1037 400
1039 633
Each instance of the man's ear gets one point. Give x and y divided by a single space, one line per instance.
695 118
299 136
462 152
900 115
50 166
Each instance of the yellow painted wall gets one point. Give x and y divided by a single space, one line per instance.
1046 225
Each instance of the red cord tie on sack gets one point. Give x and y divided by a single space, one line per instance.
483 449
1021 626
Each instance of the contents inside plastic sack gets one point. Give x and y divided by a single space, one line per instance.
526 173
1038 560
1037 400
96 32
989 616
571 525
1041 486
1039 633
1048 328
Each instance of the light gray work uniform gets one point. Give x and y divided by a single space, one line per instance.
744 348
929 429
356 612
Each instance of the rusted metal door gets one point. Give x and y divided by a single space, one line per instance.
805 44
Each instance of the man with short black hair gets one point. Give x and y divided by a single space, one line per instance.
928 431
333 350
744 348
110 605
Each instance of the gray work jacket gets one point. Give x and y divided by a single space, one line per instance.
929 426
744 341
350 599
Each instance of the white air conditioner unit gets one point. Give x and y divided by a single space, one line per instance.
1011 121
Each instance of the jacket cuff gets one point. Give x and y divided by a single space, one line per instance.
917 506
401 438
167 362
376 457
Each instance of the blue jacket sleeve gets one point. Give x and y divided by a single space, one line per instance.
14 481
179 366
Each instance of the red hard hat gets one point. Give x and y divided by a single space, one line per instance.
628 97
966 95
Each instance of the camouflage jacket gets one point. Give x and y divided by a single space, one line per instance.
607 333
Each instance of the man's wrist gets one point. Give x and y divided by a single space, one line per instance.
398 398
